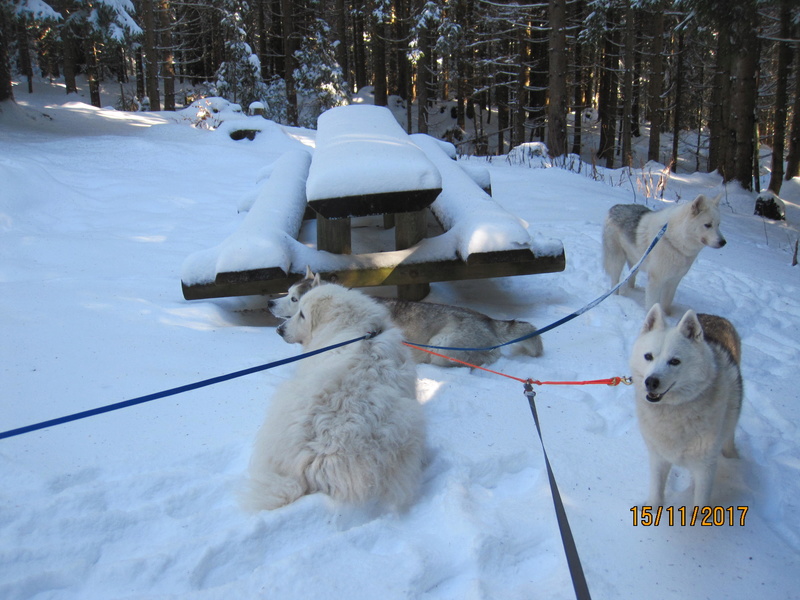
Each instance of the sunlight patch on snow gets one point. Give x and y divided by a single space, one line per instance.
131 118
305 137
149 238
427 389
199 318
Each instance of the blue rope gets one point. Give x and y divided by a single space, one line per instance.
174 391
207 382
566 319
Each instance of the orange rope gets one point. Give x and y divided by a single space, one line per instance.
464 363
610 381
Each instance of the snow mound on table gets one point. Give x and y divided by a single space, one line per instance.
378 158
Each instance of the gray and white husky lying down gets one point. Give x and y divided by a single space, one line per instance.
432 324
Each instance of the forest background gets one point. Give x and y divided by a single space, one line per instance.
724 74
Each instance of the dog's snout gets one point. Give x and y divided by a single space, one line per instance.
652 383
722 242
271 304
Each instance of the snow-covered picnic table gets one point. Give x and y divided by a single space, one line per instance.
365 164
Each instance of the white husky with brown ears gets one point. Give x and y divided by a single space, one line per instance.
629 229
688 397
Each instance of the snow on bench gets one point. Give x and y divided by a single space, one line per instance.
260 246
480 224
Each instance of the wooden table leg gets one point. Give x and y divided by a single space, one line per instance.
333 235
410 228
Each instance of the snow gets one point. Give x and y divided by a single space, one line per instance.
361 149
98 210
36 9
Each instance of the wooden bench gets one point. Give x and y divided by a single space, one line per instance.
361 160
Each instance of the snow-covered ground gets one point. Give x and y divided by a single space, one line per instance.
98 211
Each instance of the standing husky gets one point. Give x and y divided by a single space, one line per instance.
629 229
435 325
688 397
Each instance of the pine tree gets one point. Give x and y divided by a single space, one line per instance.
238 78
421 49
104 26
557 105
318 77
6 90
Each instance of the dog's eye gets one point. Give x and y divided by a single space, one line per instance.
294 299
707 225
674 362
648 357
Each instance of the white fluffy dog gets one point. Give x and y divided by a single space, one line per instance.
348 423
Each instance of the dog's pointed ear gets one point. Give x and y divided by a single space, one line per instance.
699 205
317 281
690 326
716 199
654 319
309 272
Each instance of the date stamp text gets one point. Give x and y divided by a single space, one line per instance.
705 516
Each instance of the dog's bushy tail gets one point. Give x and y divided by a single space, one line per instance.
531 347
268 491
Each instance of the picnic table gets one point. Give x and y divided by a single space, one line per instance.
365 164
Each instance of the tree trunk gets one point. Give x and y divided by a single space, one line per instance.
24 52
93 73
781 98
580 93
579 101
423 80
637 87
520 112
340 22
557 106
379 61
150 54
793 157
262 30
399 46
538 83
168 57
627 86
6 90
744 94
501 99
607 105
655 111
359 51
719 139
290 46
676 124
70 60
139 71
